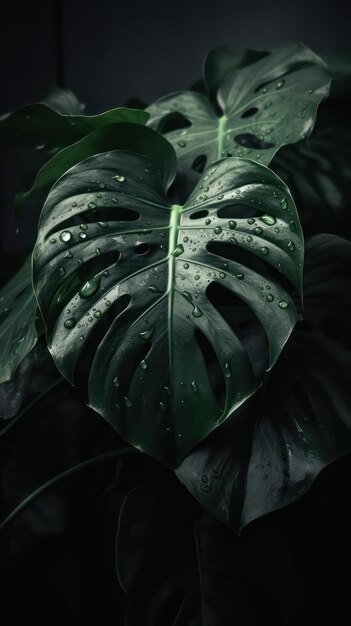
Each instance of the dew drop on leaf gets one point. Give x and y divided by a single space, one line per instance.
264 250
70 323
146 334
65 236
90 287
268 219
283 304
178 250
194 386
227 371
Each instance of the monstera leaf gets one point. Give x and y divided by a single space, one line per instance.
262 106
18 310
268 454
41 128
128 285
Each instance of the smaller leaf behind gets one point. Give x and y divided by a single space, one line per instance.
18 312
263 106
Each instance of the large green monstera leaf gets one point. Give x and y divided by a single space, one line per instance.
129 286
266 101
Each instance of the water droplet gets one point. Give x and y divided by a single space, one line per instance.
178 250
283 203
106 273
74 204
107 303
68 255
91 205
217 230
280 83
90 287
53 240
258 230
119 178
240 276
102 185
70 323
83 226
269 297
227 371
147 334
220 197
197 277
250 220
283 304
81 337
292 226
291 246
62 271
268 219
185 239
186 266
207 222
264 250
249 238
102 224
197 312
128 403
143 364
65 236
222 275
154 289
116 382
194 386
82 235
310 91
97 251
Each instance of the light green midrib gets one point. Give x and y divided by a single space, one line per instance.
173 240
222 123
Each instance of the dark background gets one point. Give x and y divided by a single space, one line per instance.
107 53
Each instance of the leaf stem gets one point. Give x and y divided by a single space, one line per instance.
68 472
17 417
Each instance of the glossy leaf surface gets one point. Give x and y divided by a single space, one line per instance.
263 106
269 453
129 287
18 310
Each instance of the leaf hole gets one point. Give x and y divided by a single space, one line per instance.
250 112
95 337
213 367
199 163
142 248
198 215
239 211
244 324
172 122
251 141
